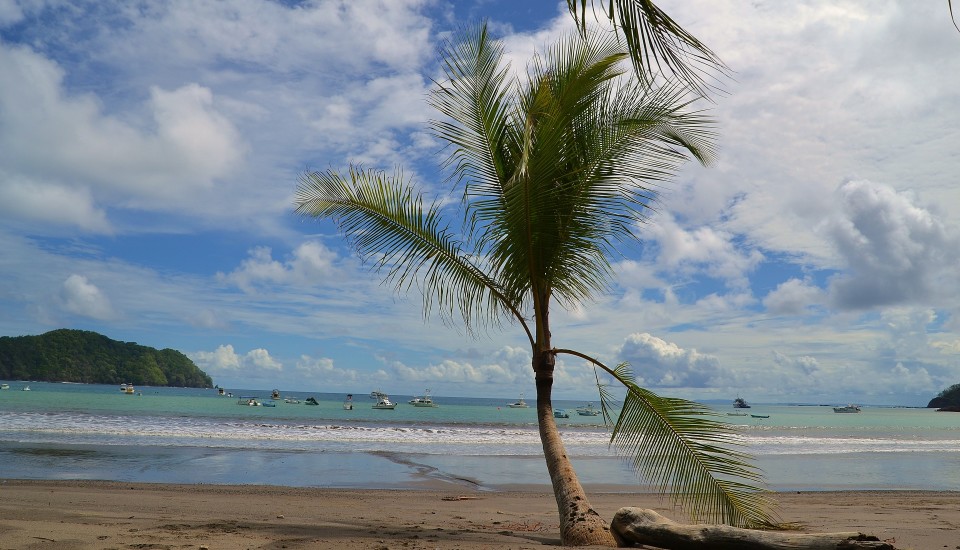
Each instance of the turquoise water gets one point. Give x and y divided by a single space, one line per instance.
78 431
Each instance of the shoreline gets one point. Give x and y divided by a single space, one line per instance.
80 514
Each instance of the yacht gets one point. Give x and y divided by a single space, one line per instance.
425 401
383 401
521 404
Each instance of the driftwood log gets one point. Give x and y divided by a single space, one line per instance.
632 526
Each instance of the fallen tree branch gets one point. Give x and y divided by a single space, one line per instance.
631 526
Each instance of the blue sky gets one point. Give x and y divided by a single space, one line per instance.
149 154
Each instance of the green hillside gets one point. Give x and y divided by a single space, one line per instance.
82 356
949 397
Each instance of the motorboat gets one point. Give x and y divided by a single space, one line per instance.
129 390
4 386
736 414
291 400
310 401
847 409
383 401
348 404
25 388
275 394
425 401
588 410
250 401
740 403
520 404
560 413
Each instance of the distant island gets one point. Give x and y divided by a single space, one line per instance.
66 355
947 400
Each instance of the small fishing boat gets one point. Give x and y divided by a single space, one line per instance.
348 404
275 394
4 386
521 404
425 401
759 416
848 409
291 400
736 414
25 388
588 410
383 401
560 413
310 401
249 401
130 390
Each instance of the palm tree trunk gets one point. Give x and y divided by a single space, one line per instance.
580 525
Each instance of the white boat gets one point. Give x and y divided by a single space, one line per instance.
425 401
4 386
249 401
383 401
348 404
588 410
129 390
521 404
291 400
848 409
560 413
25 388
736 414
275 394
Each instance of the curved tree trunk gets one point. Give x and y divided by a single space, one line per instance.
580 525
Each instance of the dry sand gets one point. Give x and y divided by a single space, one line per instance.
69 515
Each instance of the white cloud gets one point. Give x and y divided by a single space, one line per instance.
896 252
51 204
224 361
309 263
82 297
323 370
658 363
55 143
702 249
793 297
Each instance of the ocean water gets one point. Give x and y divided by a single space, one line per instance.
183 435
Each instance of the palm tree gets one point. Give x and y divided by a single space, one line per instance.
555 171
656 43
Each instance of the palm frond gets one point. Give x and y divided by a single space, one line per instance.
385 221
658 44
681 447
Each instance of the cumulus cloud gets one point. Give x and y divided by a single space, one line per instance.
51 203
896 252
55 143
322 369
793 297
225 361
657 362
80 296
505 366
702 249
310 262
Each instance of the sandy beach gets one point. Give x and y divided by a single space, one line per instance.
109 515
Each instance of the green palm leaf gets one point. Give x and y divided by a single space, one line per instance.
681 447
658 44
388 224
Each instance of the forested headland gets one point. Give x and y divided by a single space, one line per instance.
66 355
947 399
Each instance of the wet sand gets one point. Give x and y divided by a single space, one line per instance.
84 515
